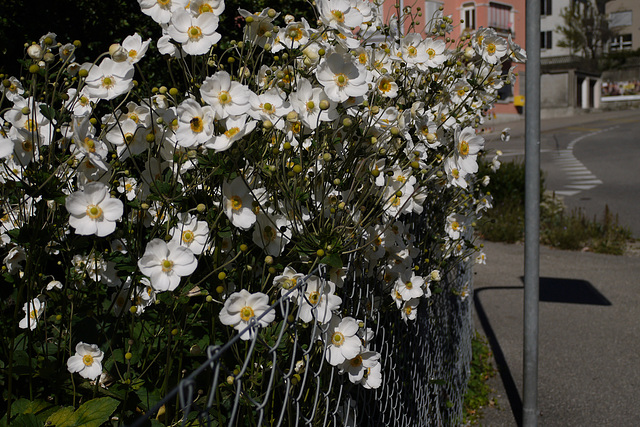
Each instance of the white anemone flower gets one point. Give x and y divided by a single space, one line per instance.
165 263
196 33
243 308
135 47
372 377
198 7
344 342
237 203
358 366
318 300
87 361
161 10
195 124
339 15
342 77
435 50
33 310
468 144
271 232
227 97
287 280
409 309
312 104
236 128
191 233
455 176
109 79
490 45
93 210
409 285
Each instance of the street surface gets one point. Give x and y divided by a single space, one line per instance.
590 161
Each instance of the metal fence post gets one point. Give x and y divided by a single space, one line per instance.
532 215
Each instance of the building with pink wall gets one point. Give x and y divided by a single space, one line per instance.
505 16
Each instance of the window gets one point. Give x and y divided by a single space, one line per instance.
431 7
621 42
546 41
469 16
621 19
545 8
500 17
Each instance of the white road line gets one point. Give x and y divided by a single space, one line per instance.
580 177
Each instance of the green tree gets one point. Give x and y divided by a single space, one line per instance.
586 29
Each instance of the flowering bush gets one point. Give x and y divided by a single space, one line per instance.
142 223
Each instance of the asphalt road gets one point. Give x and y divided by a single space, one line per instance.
590 161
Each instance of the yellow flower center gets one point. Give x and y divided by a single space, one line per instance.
224 97
356 361
455 173
188 236
94 211
310 105
33 314
341 80
195 33
431 53
295 34
236 203
491 48
246 313
408 310
196 124
128 138
412 51
337 339
314 297
362 58
231 132
268 108
87 359
455 225
269 233
133 53
84 100
167 265
205 8
463 148
377 241
384 86
27 146
30 125
134 117
164 3
338 15
409 285
108 82
90 145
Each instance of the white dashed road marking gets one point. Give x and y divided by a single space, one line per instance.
580 177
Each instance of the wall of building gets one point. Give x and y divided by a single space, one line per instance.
632 7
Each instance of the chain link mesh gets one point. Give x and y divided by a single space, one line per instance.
425 365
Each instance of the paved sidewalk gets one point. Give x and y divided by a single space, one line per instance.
589 341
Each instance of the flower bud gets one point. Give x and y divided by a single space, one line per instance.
118 53
35 51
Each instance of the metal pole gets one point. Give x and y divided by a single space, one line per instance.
532 215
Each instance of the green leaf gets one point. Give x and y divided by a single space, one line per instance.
61 417
332 260
26 420
90 414
47 111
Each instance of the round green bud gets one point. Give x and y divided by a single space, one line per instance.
34 68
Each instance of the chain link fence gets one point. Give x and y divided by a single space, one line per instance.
425 364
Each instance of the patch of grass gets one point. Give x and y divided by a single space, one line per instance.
558 228
478 391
